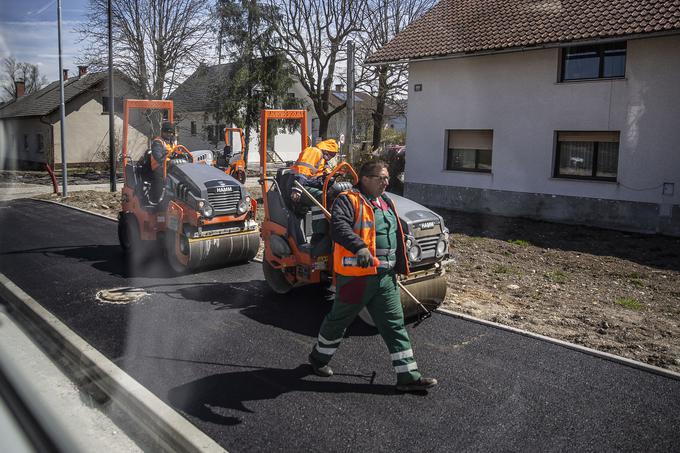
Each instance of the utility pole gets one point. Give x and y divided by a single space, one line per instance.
62 108
349 129
112 130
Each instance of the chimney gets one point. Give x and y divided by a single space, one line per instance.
339 87
20 86
65 75
82 70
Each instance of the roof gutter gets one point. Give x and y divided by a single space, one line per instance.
526 48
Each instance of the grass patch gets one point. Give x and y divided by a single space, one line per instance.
520 242
556 276
636 282
501 269
628 302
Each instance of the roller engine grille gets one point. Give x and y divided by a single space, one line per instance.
428 244
224 202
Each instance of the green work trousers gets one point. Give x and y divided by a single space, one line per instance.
380 295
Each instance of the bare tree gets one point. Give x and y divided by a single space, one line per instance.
155 41
312 35
386 83
13 70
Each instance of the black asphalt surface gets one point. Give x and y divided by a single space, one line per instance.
230 355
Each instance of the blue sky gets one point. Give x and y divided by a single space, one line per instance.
28 32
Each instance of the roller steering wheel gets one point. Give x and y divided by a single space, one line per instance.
342 169
177 152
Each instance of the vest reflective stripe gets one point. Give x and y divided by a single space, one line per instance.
310 162
406 368
402 355
168 149
387 264
385 252
305 164
323 340
326 351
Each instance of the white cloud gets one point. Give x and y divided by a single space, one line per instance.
36 42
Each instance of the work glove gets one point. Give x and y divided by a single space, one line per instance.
364 258
295 195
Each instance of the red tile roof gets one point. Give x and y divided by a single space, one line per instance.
471 26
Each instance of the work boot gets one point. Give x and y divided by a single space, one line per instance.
420 385
320 370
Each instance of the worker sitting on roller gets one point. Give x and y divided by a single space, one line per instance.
161 147
311 168
368 253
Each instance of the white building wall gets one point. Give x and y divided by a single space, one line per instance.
87 127
518 97
19 142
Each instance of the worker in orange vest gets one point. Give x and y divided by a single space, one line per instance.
311 168
368 253
161 147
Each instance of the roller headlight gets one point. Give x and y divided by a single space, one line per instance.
414 253
441 247
244 205
206 209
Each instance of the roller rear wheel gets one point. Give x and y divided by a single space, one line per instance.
276 279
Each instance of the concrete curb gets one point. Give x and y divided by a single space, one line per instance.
159 421
603 355
76 208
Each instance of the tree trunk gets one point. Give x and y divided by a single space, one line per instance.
379 113
323 126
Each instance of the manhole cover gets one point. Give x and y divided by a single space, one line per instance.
121 295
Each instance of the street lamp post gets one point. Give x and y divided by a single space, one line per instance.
62 108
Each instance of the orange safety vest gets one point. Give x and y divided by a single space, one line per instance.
168 149
310 162
364 227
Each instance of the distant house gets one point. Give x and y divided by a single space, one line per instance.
195 108
364 106
30 130
560 110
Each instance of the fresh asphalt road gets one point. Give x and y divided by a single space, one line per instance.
230 355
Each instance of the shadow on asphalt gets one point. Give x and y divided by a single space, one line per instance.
109 259
300 311
204 397
112 260
662 252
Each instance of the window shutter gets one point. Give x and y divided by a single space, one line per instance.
471 139
589 136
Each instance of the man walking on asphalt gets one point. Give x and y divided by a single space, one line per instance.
369 251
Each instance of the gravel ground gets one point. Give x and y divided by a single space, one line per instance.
612 291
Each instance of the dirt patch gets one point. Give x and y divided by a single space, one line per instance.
612 291
105 203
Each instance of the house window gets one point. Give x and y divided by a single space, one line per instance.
211 133
41 142
469 150
25 142
587 155
594 62
117 104
193 128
